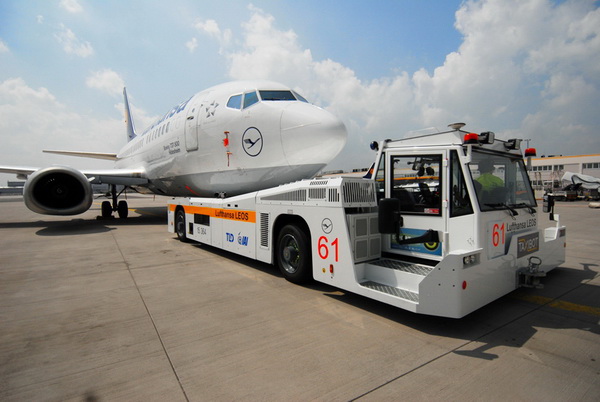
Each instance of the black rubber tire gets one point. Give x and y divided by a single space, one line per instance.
180 228
293 254
106 209
122 209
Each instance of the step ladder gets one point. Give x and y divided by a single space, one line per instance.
396 278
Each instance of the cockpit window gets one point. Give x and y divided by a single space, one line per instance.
277 96
235 102
299 97
250 99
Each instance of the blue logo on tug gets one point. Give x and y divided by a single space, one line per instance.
241 239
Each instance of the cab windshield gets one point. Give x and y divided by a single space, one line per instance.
500 181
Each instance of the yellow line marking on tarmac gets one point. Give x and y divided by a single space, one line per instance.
560 304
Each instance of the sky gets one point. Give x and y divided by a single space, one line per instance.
522 68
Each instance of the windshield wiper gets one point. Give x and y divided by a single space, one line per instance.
530 209
513 212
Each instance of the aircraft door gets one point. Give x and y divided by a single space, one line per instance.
192 123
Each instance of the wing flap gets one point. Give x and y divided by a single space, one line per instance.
125 177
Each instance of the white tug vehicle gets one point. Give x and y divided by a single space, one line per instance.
446 224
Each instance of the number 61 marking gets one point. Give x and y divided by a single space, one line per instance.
498 235
323 248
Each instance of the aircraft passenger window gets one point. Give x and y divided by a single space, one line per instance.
167 129
250 99
277 96
235 102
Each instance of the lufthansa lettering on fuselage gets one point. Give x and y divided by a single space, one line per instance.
172 148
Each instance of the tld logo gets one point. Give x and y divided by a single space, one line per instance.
242 240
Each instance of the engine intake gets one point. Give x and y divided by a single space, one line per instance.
58 190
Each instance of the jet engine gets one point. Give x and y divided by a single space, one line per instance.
58 190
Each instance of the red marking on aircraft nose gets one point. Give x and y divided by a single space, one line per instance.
191 191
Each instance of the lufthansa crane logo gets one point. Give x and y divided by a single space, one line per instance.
252 141
326 225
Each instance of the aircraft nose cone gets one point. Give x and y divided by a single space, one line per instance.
311 135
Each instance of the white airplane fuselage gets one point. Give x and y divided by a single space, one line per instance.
230 139
217 143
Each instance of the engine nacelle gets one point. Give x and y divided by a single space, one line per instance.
58 190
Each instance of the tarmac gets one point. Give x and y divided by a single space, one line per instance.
109 310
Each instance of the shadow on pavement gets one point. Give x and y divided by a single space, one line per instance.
80 226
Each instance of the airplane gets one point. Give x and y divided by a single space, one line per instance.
227 140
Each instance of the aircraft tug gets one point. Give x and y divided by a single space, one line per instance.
446 224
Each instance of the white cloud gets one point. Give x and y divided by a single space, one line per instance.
71 44
54 126
71 6
211 28
192 44
528 69
3 47
107 81
40 19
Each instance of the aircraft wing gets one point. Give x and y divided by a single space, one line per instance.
126 177
94 155
21 172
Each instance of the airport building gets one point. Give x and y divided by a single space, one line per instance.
547 171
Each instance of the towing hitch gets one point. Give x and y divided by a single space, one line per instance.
530 276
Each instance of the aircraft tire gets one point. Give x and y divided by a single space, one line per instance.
293 254
180 225
123 209
106 209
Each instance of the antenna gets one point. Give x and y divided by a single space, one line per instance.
456 126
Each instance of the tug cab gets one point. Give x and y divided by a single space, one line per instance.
469 195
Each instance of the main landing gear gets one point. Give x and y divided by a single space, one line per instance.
120 207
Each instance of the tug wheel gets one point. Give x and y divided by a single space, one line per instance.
293 254
180 225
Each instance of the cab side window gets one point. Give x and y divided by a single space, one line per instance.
416 183
460 203
380 179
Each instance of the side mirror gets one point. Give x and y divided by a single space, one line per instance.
548 205
389 217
